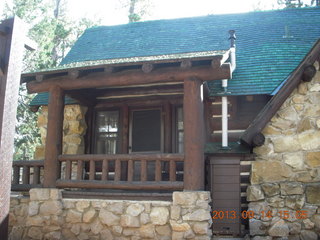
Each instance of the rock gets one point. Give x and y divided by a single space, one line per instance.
309 140
294 228
258 207
189 234
73 216
33 208
96 227
294 160
35 233
310 210
270 189
68 203
83 236
262 238
264 150
175 212
177 235
316 220
308 224
308 235
109 218
288 113
106 234
254 193
147 231
179 227
298 99
295 202
39 194
312 194
303 176
286 144
51 207
144 218
257 227
129 221
135 209
16 233
75 229
35 221
116 207
305 125
53 236
159 215
303 88
270 130
184 198
89 215
201 228
291 188
82 204
197 215
313 159
283 124
279 229
67 234
204 196
164 230
117 230
261 172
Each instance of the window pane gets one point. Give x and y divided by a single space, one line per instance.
106 132
179 130
180 118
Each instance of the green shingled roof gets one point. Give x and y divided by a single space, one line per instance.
270 44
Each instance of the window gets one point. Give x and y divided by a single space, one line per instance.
179 130
146 130
107 132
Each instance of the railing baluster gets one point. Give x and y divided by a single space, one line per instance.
117 171
172 171
16 175
105 170
79 170
130 170
36 175
68 170
92 170
158 171
143 173
26 175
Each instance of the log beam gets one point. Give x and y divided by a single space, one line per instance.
132 78
54 136
193 135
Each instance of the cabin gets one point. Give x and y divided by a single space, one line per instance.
178 129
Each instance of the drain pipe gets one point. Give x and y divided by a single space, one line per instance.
224 99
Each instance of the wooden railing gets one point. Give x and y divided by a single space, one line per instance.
26 175
122 171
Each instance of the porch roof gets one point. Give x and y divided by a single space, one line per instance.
270 44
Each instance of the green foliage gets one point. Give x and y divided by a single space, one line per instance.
54 34
298 3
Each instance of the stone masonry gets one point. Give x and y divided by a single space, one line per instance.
285 179
74 128
46 215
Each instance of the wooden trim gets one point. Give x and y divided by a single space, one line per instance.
131 78
119 185
31 163
167 112
277 100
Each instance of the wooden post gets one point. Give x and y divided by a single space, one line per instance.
12 42
193 135
54 137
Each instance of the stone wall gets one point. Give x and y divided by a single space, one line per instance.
74 128
46 215
285 179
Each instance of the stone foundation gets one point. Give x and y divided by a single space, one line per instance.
46 215
285 178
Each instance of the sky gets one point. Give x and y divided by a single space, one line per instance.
112 12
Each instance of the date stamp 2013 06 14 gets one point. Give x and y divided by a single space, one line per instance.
283 214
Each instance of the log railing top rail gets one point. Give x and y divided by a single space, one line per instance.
124 157
29 163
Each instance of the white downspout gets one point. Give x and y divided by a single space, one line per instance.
224 99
